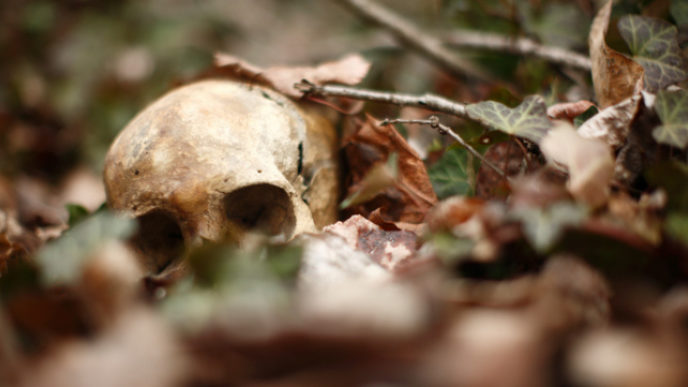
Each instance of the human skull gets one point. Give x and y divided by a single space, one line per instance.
216 159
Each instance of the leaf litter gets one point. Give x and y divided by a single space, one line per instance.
559 274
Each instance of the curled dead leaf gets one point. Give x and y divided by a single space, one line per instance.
568 110
612 124
411 195
615 76
590 163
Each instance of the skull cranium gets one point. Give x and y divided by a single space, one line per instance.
217 158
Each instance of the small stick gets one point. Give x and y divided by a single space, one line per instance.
427 101
434 122
415 38
521 46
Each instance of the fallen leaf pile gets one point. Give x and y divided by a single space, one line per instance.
565 263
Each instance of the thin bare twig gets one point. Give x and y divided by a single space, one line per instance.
434 122
427 101
521 46
417 39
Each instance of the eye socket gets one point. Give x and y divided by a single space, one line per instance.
159 240
261 207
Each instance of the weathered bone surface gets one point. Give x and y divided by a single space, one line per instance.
217 158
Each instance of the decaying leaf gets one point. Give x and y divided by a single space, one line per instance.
615 77
412 194
378 179
529 119
509 156
672 109
654 45
612 124
589 161
541 188
392 250
453 174
452 212
348 70
334 257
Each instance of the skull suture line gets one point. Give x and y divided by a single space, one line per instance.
217 158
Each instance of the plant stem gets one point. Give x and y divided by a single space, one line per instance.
434 122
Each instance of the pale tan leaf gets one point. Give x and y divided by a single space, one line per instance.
615 76
612 124
589 162
348 70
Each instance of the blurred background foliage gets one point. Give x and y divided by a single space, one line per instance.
75 71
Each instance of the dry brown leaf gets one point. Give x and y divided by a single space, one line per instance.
612 125
543 188
590 163
510 157
15 239
348 70
137 350
452 212
412 194
568 110
615 76
392 250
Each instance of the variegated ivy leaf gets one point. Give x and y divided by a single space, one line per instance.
529 119
453 174
544 226
672 109
654 45
679 11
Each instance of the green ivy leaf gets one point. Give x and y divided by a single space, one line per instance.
239 287
453 174
679 11
544 226
677 226
449 248
654 45
672 109
76 212
585 116
555 23
672 176
61 260
529 119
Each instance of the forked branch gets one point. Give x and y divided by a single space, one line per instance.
434 122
